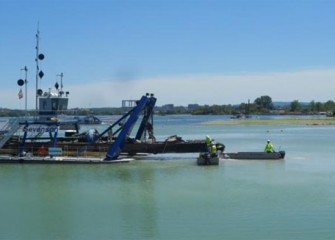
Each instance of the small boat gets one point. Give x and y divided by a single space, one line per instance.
208 159
254 155
88 119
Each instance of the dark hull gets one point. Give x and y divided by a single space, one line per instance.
254 155
206 159
59 160
100 149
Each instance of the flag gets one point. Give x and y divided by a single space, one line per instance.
20 94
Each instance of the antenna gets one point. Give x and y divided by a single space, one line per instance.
61 75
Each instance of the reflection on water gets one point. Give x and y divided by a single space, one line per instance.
170 197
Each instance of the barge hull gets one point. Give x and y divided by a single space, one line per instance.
100 149
60 160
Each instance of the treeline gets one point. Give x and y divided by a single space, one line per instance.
261 105
4 112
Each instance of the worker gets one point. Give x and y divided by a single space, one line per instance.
42 151
208 141
213 150
110 135
268 147
150 130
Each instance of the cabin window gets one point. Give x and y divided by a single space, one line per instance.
54 104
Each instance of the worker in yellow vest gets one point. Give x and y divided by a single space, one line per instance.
268 147
208 142
213 150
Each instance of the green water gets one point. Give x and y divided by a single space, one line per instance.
170 197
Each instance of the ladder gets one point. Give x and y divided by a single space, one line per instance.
8 130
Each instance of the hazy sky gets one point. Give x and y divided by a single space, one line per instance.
184 51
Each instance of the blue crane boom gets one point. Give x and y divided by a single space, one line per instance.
146 103
147 118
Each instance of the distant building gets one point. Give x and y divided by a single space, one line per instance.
193 106
167 107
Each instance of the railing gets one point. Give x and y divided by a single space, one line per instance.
54 115
35 151
8 130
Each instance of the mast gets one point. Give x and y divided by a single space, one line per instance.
37 67
39 73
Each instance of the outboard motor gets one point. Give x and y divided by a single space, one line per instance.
220 147
282 154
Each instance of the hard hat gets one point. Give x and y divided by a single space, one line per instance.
269 140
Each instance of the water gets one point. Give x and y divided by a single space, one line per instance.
170 197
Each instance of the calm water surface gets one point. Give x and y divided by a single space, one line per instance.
170 197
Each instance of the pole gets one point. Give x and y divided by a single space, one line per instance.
25 92
25 82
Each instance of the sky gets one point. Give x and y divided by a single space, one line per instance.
183 51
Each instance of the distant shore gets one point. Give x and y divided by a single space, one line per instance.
281 121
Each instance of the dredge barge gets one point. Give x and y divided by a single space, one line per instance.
52 136
41 141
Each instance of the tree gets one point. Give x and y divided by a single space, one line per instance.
318 106
295 106
329 105
264 102
312 106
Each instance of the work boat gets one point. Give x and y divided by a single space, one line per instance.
207 158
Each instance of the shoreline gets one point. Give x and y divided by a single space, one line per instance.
282 121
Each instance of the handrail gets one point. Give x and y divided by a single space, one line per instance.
10 128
